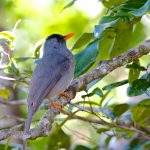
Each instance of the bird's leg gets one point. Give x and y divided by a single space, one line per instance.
56 105
64 94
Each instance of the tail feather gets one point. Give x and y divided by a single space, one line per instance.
27 127
28 121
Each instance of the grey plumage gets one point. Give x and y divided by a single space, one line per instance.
52 74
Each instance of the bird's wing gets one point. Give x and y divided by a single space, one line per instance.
45 76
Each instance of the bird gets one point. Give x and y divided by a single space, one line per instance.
52 75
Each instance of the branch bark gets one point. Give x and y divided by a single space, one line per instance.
105 67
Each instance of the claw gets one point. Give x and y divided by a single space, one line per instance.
64 94
57 106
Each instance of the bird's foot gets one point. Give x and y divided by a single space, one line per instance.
56 105
64 94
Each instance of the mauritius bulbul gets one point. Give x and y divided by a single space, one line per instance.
52 74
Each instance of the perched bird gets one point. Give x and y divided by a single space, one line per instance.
52 74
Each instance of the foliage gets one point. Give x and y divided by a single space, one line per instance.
117 31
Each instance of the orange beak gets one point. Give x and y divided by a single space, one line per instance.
68 36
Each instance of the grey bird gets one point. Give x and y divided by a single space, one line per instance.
52 74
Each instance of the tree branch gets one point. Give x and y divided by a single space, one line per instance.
105 67
119 124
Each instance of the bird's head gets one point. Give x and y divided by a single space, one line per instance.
56 42
59 37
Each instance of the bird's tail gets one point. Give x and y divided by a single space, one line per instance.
28 121
27 127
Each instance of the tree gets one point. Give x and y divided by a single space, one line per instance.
117 43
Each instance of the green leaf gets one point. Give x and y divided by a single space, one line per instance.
108 19
98 91
11 147
132 5
12 68
105 45
107 140
104 97
59 139
37 48
38 144
84 39
105 23
138 87
134 71
114 85
22 59
136 66
101 130
2 147
142 10
68 5
119 109
81 147
118 31
138 144
122 39
141 112
8 143
133 75
86 58
110 3
5 93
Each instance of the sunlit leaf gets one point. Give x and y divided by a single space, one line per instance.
141 112
16 25
122 39
133 75
5 93
134 72
7 35
136 65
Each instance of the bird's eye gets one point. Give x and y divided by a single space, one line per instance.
32 104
